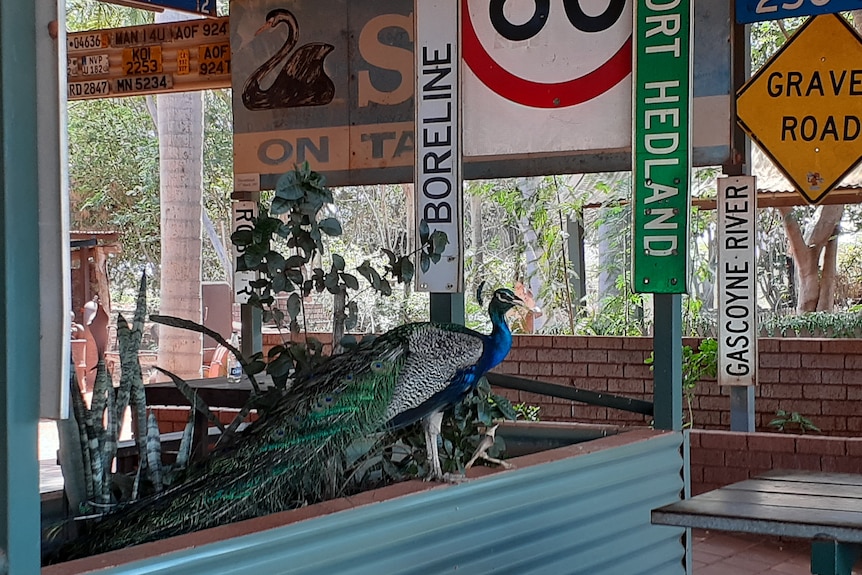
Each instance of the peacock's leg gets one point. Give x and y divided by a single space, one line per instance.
432 424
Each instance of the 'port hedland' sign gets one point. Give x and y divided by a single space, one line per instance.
662 144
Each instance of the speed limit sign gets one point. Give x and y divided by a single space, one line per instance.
546 75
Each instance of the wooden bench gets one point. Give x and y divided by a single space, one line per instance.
823 507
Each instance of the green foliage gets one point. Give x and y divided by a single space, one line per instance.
815 324
401 455
696 365
99 424
287 251
792 422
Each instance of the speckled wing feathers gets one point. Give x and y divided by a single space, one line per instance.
435 356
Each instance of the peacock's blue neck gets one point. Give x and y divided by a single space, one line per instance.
498 342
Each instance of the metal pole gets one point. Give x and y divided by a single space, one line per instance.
447 308
19 278
667 367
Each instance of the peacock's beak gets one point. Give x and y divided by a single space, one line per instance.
263 28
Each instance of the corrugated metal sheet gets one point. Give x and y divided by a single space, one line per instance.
582 515
770 178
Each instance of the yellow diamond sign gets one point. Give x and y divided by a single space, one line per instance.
804 106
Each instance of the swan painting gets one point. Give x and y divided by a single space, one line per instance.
300 80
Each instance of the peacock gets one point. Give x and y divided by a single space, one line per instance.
288 457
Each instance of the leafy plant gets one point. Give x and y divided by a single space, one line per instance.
815 324
792 421
696 365
296 222
90 441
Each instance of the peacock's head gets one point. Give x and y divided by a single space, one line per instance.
503 300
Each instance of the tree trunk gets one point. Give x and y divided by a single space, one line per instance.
815 287
180 126
532 249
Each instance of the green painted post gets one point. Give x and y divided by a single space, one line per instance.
667 367
661 172
447 308
19 278
833 557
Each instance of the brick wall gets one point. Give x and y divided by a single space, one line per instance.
819 378
723 457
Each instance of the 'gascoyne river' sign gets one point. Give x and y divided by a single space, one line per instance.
737 298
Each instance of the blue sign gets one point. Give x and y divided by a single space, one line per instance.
748 11
204 7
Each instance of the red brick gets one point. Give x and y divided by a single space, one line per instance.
556 411
554 355
840 408
854 447
604 370
570 369
536 341
605 342
627 357
805 407
637 372
510 367
853 362
796 461
825 392
769 376
822 360
778 360
625 385
821 445
531 398
712 403
569 342
591 356
854 392
845 346
694 439
724 475
768 344
800 375
772 442
525 368
696 474
723 440
752 460
854 424
841 464
641 343
781 391
799 345
853 376
832 424
522 354
832 376
704 457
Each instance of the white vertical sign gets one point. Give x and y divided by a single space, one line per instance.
243 214
737 281
439 196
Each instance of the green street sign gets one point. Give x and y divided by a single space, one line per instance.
661 165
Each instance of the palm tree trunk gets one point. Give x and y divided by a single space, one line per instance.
180 126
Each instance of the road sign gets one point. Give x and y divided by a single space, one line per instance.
748 11
737 281
661 167
173 56
365 133
205 7
804 106
439 195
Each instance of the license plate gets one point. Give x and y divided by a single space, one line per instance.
94 64
87 41
214 59
140 84
88 89
142 60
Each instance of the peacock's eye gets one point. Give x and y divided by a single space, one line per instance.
377 366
